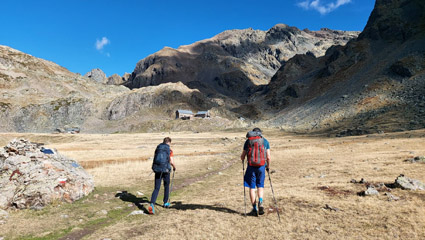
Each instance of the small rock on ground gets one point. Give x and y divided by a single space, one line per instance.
3 214
392 197
329 207
138 212
371 191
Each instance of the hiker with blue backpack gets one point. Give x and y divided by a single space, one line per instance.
162 162
257 151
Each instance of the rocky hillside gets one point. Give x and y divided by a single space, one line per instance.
375 83
38 95
233 63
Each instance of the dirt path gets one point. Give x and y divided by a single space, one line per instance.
189 181
76 235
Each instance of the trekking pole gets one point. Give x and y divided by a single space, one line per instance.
275 202
243 183
171 187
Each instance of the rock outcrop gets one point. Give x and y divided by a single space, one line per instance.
32 177
115 79
406 183
97 75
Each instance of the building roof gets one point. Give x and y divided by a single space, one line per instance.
202 112
184 111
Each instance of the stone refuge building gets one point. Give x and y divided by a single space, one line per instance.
187 114
203 114
184 114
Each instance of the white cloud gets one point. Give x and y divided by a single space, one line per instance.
322 8
100 44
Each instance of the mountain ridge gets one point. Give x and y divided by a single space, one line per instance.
233 58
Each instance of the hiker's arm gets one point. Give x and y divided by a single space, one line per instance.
172 163
243 155
268 158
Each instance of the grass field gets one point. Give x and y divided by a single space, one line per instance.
310 172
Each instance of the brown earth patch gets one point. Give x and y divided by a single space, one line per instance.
330 191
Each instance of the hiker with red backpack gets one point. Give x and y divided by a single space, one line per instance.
162 162
257 151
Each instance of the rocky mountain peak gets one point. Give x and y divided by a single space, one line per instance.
281 32
97 75
233 63
115 79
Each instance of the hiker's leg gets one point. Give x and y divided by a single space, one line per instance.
260 201
249 180
260 192
252 195
260 176
166 177
157 187
260 188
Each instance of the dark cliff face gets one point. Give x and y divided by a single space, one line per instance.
377 75
395 20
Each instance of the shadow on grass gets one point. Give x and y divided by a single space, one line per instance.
128 197
184 207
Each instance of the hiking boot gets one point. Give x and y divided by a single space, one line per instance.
253 212
166 205
260 208
151 209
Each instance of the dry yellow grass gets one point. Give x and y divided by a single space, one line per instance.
311 171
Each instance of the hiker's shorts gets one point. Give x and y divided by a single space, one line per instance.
254 177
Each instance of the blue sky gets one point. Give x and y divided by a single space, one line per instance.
114 35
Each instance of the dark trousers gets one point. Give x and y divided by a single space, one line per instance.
158 177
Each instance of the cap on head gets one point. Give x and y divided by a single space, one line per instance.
256 130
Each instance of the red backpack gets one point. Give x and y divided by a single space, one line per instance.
256 151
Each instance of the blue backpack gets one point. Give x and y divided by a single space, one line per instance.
161 160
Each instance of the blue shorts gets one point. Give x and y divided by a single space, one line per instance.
254 177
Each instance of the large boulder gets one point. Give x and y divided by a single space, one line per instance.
32 176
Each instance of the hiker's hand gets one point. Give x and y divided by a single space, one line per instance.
267 169
174 169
